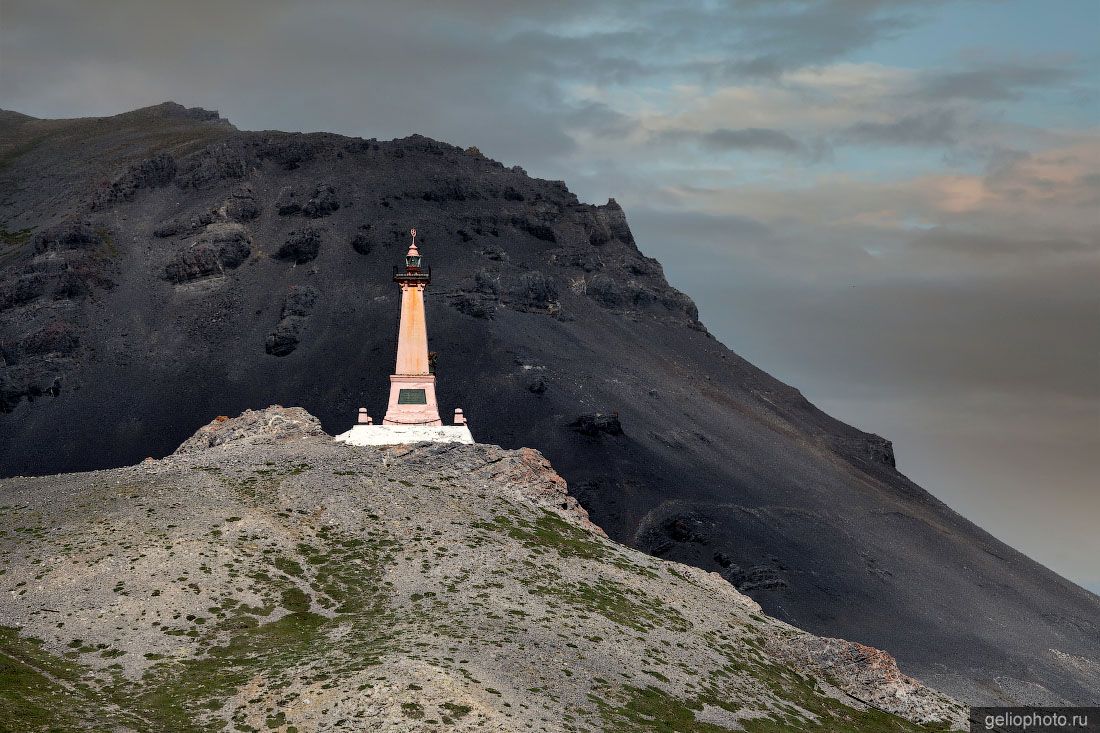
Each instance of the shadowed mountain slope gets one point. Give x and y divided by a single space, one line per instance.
160 268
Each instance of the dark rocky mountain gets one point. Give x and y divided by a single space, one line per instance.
161 267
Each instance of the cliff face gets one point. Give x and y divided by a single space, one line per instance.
271 579
161 267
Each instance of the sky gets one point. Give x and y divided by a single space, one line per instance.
892 205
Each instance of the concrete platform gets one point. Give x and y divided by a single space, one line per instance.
402 434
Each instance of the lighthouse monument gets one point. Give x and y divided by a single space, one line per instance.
412 414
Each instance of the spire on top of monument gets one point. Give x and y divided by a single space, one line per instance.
412 259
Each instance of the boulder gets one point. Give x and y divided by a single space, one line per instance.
597 423
286 336
220 248
59 337
301 246
322 203
606 291
299 300
534 290
78 234
363 243
241 206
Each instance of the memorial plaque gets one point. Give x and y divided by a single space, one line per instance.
412 397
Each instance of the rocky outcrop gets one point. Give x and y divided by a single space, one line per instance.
222 161
606 291
321 202
21 289
479 298
152 173
301 246
284 339
223 246
868 448
597 423
189 225
870 676
273 425
57 337
69 235
241 206
363 242
534 291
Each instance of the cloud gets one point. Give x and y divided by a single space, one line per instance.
746 139
979 244
780 36
750 138
992 83
924 128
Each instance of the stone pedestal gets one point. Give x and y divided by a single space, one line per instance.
412 401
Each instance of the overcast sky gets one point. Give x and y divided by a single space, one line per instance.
891 205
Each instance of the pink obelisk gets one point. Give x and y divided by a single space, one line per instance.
412 385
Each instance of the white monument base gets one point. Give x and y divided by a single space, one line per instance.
403 434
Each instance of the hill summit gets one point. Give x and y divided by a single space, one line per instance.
264 577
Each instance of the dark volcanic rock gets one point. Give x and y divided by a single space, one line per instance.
596 423
152 173
299 301
606 291
58 337
479 299
475 305
534 291
219 249
242 205
870 448
21 289
213 165
68 235
184 226
289 151
363 243
322 203
534 227
807 513
288 203
301 246
286 336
